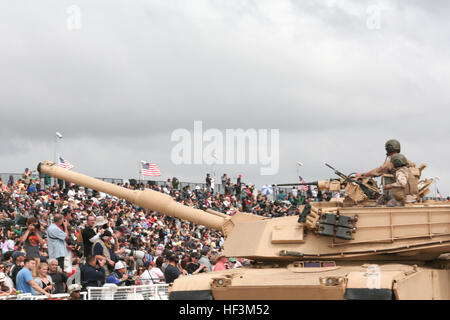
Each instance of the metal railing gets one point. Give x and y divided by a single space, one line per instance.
29 296
142 292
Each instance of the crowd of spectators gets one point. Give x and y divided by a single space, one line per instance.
63 238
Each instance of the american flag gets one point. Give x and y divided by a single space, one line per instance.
304 188
63 163
150 169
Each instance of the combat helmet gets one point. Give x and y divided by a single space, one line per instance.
392 145
399 160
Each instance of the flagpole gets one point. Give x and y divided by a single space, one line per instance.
54 151
436 179
139 172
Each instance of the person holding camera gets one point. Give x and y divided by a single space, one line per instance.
120 276
194 267
31 240
57 239
92 273
104 250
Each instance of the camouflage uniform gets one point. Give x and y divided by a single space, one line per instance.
404 189
387 168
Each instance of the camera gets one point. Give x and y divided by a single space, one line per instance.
138 254
77 248
74 222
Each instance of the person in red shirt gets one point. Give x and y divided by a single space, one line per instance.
221 263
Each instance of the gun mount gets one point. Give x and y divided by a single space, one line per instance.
354 191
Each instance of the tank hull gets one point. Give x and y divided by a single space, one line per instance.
388 281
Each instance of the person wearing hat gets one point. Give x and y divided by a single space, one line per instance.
194 267
221 263
104 250
74 291
18 259
120 276
392 147
4 289
234 263
5 267
387 170
404 189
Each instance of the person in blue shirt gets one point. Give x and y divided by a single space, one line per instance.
57 239
172 272
91 274
31 188
24 280
120 276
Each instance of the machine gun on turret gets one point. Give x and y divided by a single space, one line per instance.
370 191
358 190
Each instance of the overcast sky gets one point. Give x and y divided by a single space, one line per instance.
337 78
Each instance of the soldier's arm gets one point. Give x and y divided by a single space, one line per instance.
383 169
401 180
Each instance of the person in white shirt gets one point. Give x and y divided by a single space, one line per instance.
294 192
151 275
71 193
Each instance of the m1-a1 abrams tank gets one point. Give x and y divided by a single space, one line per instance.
343 249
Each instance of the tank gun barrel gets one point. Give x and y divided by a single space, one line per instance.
322 185
313 183
148 199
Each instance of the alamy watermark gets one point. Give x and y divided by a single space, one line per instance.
373 275
229 146
73 21
373 21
